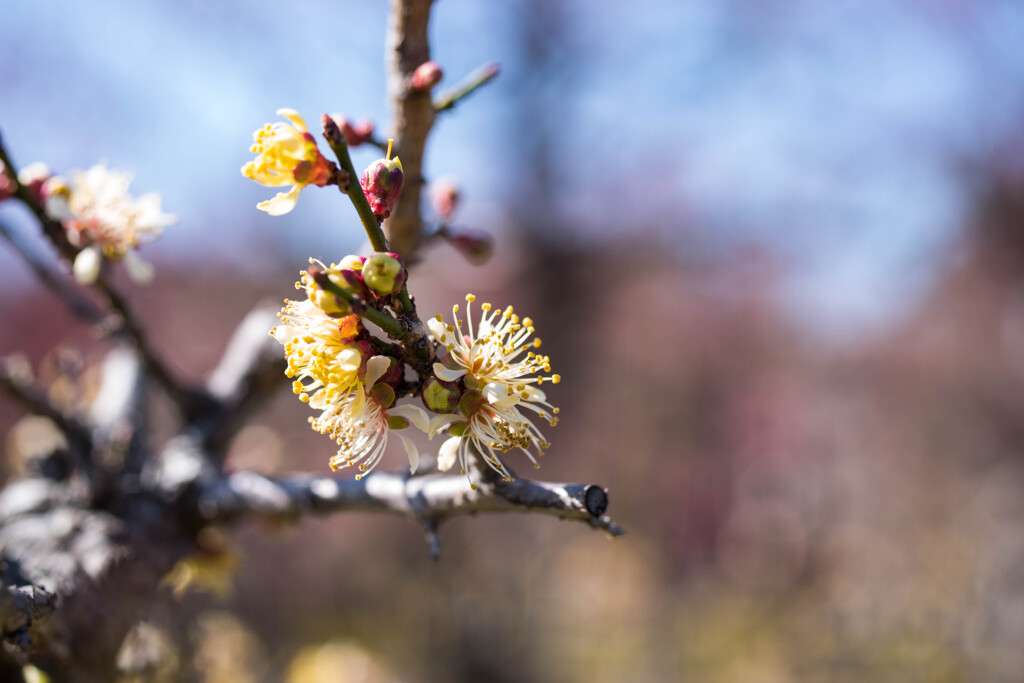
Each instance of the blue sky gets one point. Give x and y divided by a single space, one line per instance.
834 133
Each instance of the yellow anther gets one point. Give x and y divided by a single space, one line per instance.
471 297
554 378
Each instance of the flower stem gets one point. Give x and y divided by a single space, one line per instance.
339 145
384 321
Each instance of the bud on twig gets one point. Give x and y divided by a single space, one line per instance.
426 76
476 245
384 273
444 197
355 133
382 182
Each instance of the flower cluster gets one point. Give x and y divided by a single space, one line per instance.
481 394
100 216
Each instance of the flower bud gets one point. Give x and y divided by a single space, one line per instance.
426 76
440 396
444 197
383 394
476 245
382 182
471 402
384 273
394 374
355 133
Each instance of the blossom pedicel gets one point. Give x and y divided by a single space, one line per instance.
286 154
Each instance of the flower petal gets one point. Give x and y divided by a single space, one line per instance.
414 414
500 396
437 329
448 453
294 118
375 369
447 374
139 270
282 203
439 422
87 265
412 452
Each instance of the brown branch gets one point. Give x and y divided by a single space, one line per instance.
16 381
428 498
408 47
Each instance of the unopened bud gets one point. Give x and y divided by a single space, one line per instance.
426 76
356 133
444 197
476 245
382 182
471 402
394 374
440 396
383 394
318 283
384 273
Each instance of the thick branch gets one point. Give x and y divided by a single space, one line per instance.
430 498
408 47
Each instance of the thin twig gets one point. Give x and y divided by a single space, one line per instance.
17 383
60 286
339 146
479 77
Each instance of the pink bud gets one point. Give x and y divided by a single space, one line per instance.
444 196
355 133
476 245
426 76
382 182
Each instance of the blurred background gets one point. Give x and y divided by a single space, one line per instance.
776 250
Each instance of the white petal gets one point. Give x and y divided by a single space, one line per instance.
437 328
448 453
87 265
439 422
282 203
447 374
56 207
140 271
294 118
499 395
375 369
413 414
349 360
412 452
33 173
534 394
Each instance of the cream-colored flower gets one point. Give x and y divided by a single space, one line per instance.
500 374
363 436
286 154
103 218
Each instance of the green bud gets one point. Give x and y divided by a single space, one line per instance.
383 272
440 396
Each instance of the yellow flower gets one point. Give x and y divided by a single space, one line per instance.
322 360
286 154
501 383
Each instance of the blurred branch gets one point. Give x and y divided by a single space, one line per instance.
250 370
16 382
428 498
20 607
480 77
48 275
408 46
119 411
